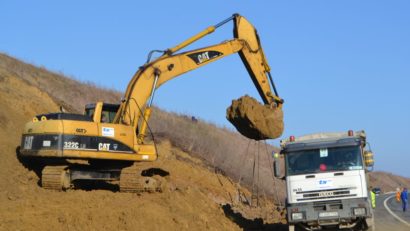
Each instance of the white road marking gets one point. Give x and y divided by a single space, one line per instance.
393 214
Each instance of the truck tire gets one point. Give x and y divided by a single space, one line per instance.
295 228
370 224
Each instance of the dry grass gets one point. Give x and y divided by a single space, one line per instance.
66 91
225 150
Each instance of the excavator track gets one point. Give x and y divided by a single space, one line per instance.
131 180
55 178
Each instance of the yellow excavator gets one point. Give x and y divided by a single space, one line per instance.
110 138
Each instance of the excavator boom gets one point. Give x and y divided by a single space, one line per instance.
135 109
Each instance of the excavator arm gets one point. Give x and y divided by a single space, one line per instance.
135 109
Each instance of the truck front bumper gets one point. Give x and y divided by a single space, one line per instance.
325 213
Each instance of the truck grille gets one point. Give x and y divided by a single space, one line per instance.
325 194
328 205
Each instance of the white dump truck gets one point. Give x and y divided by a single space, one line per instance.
326 181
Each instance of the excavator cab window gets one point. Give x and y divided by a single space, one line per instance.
107 114
90 112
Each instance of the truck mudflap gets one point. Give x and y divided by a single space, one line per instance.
347 213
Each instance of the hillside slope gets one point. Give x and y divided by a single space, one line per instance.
196 196
222 148
388 182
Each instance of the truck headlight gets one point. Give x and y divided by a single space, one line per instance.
359 211
297 216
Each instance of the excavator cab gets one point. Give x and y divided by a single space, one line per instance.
101 112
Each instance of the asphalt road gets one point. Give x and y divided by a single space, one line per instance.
389 214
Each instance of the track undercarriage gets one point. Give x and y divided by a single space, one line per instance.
60 174
137 178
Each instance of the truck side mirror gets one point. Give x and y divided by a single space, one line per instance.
368 159
276 165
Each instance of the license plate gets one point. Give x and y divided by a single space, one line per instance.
328 214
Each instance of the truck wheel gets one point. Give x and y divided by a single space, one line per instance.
296 228
370 224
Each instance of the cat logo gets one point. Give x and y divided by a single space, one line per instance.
204 56
104 146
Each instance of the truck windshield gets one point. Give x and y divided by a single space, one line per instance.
324 160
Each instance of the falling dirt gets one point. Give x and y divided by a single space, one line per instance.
255 121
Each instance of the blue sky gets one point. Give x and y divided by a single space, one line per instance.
339 65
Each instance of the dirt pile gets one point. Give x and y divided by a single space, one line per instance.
255 121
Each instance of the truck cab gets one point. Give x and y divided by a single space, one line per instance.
326 181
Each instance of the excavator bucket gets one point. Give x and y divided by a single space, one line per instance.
254 120
250 118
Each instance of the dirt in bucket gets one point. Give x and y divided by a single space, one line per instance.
254 120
